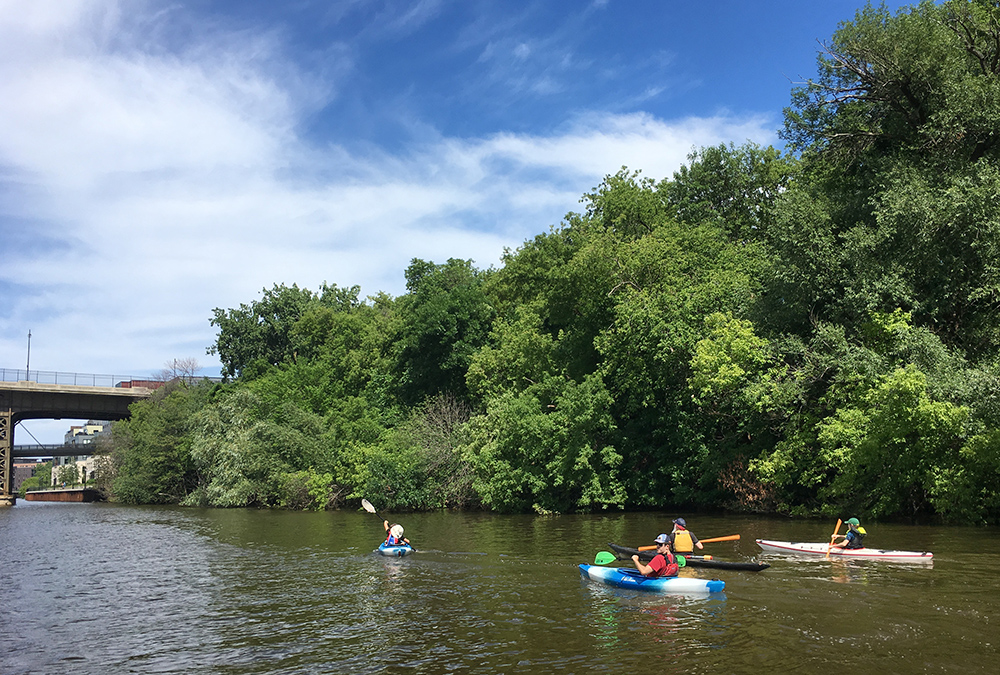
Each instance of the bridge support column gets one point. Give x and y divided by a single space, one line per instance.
7 497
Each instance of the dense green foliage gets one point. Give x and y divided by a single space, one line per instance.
40 480
805 333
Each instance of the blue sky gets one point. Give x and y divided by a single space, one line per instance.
160 158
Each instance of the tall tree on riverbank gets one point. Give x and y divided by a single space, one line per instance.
807 334
899 132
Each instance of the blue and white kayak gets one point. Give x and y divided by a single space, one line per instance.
394 551
623 577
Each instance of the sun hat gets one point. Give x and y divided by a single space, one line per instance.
681 522
853 521
396 531
662 539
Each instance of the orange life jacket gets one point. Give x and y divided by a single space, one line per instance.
683 542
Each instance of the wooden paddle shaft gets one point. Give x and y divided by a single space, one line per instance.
731 537
833 537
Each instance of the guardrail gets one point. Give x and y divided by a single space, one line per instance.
61 450
82 379
90 380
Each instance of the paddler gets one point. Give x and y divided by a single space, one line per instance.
683 540
853 538
663 563
394 534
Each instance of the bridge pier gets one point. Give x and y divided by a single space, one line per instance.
7 497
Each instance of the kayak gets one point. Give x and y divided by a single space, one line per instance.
396 551
623 577
863 553
624 552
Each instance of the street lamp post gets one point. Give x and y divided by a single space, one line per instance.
27 367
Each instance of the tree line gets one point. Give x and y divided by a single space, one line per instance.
808 331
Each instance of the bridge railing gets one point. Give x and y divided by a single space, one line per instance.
82 379
61 450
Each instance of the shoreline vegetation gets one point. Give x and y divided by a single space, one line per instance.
810 333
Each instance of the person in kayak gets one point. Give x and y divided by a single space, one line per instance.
663 563
854 537
683 540
394 534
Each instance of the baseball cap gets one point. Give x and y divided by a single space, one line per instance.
662 539
681 522
853 521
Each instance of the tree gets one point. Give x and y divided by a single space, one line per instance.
186 368
547 449
258 335
445 318
248 454
895 206
734 188
922 83
150 460
40 479
626 204
68 474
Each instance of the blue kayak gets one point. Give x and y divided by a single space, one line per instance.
395 551
623 577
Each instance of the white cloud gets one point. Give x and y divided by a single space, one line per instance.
174 182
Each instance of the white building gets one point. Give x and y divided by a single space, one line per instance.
85 463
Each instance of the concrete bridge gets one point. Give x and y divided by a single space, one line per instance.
56 450
46 395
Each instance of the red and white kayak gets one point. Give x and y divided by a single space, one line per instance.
863 553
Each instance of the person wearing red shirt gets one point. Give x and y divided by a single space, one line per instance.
663 563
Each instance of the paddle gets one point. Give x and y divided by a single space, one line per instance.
731 537
603 558
832 537
369 508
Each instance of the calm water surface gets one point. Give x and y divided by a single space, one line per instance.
98 588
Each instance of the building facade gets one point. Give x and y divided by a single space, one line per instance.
22 472
85 464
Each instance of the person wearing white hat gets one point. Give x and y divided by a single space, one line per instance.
394 534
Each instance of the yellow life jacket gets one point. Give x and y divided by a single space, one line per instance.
683 542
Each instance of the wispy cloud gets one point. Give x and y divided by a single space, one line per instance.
160 182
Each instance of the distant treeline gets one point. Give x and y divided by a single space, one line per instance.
807 333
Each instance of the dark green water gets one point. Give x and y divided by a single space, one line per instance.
92 588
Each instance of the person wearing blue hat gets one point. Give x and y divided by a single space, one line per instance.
854 537
663 563
683 540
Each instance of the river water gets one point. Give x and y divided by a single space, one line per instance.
104 589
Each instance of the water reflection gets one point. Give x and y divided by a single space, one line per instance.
849 571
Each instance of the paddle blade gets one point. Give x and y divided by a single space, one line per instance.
603 558
367 506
